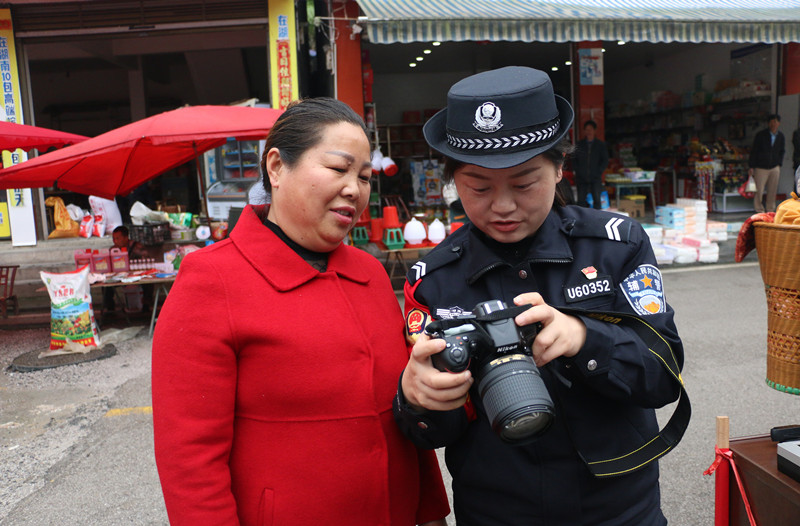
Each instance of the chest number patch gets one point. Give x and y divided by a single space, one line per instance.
644 290
589 287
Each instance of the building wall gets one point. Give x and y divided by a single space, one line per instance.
675 73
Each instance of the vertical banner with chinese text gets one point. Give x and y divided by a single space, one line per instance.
19 201
282 45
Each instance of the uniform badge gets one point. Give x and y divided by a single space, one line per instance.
644 290
416 320
592 285
449 313
487 118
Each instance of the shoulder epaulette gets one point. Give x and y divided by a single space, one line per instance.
439 257
605 226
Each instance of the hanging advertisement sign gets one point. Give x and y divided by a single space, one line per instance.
591 66
283 66
284 74
19 201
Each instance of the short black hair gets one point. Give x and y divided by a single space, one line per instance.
122 229
774 116
590 123
300 127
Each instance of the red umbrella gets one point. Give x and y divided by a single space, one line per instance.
118 161
13 136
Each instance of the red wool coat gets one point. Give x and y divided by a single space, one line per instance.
273 387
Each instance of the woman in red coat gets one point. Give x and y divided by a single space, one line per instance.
277 352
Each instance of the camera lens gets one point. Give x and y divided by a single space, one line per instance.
515 398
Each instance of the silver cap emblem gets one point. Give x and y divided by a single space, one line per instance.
487 118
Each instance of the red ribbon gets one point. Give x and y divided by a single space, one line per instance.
726 454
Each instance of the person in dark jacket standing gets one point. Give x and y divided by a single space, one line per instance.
590 161
582 275
766 158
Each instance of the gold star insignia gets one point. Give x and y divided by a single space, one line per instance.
647 282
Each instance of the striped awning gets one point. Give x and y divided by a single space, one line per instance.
767 21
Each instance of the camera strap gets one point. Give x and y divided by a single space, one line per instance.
503 314
673 431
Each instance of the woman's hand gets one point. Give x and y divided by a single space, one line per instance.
561 334
425 387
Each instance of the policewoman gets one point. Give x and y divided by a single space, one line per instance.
607 348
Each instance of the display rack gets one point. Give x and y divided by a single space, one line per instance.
658 133
722 200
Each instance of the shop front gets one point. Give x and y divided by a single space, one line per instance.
88 68
677 83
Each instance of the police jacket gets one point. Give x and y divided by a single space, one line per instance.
764 154
604 396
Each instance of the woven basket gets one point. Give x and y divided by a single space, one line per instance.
778 248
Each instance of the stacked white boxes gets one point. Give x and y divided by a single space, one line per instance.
654 232
706 251
696 214
717 231
671 217
665 254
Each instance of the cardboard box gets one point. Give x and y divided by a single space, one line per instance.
634 208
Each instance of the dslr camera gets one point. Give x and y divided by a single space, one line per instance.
498 353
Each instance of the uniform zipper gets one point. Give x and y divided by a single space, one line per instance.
564 260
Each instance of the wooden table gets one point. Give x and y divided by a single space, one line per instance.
161 286
397 259
774 497
619 185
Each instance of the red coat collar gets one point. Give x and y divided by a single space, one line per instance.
279 264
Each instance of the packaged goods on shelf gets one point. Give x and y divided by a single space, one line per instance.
684 254
718 237
699 229
717 230
697 206
669 211
674 223
638 175
671 235
654 232
695 241
708 254
664 254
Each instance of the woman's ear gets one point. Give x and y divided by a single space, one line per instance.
274 166
559 174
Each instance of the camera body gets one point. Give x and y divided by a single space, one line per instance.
498 353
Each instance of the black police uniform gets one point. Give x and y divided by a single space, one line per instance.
604 396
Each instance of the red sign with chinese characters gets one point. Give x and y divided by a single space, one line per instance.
284 74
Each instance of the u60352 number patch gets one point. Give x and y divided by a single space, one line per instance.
588 288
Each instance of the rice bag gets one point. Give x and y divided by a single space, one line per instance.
108 209
99 228
87 225
71 314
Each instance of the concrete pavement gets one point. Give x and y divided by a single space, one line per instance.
76 442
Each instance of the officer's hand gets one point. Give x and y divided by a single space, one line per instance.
561 334
426 387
